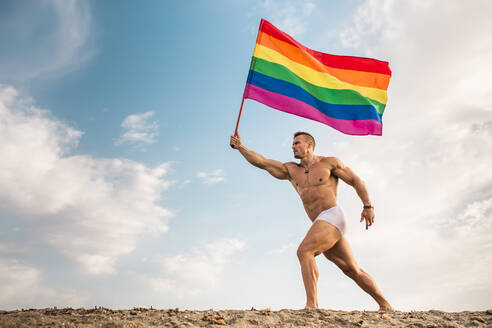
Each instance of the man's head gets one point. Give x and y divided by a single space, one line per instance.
303 144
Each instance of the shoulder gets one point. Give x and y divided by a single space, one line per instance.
334 162
290 164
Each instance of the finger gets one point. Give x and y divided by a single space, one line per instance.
361 218
367 224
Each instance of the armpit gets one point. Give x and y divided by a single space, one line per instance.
289 166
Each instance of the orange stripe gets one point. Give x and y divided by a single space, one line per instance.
364 79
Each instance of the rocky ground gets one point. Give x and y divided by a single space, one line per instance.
142 317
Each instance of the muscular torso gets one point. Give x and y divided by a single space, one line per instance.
318 188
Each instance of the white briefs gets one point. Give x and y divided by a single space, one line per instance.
334 216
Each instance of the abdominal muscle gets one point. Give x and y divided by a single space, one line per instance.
317 199
317 189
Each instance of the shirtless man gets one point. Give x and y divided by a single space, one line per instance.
315 179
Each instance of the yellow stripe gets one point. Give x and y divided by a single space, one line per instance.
318 78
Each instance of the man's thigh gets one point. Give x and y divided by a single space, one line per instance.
341 254
320 237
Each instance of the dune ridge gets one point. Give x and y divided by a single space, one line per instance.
149 317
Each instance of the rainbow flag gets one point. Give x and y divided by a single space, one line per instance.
346 93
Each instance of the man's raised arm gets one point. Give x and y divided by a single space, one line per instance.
275 168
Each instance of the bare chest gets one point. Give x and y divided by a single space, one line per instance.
317 175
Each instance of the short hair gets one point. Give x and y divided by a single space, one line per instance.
307 136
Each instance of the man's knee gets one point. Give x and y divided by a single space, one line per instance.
303 251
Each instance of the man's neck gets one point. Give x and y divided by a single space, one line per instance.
308 160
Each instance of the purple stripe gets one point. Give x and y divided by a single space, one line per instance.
299 108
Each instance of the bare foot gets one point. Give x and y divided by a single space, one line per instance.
386 308
310 307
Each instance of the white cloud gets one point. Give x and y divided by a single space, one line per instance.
429 174
16 279
476 217
139 130
288 16
10 249
211 177
189 273
37 48
282 249
21 284
93 210
21 287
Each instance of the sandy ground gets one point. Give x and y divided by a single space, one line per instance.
142 317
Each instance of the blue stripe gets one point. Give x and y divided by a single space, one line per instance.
344 112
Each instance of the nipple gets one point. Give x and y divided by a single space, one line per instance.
320 179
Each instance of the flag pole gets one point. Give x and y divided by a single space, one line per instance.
244 92
239 116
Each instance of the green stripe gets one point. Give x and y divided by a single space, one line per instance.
332 96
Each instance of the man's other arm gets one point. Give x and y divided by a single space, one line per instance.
349 177
275 168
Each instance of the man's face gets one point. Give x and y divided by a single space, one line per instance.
300 146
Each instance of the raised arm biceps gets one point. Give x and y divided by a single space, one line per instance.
277 169
349 177
344 173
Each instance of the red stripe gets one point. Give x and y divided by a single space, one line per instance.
343 62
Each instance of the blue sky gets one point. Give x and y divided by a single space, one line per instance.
119 189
